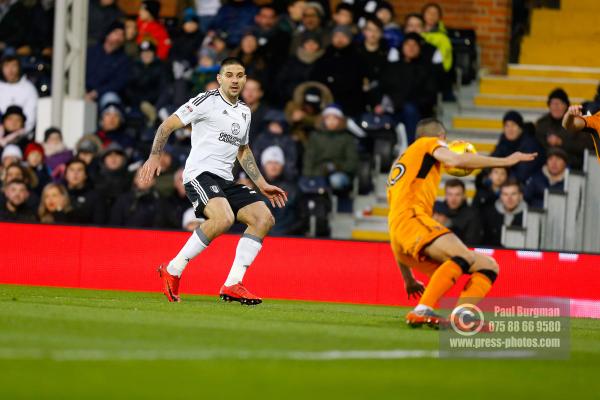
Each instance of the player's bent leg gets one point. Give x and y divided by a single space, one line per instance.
483 275
220 219
259 220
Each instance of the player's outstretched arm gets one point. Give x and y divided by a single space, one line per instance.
476 161
573 120
152 166
276 196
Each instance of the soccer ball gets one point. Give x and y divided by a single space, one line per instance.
460 147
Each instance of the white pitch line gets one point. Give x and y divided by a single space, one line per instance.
151 355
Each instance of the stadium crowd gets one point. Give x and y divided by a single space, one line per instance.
321 83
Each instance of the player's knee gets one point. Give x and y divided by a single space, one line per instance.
463 263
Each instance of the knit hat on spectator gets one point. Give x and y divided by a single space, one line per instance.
272 154
114 108
189 14
558 152
50 131
33 147
316 6
153 7
559 94
333 109
147 45
87 146
113 27
114 147
13 110
513 116
312 96
343 29
12 150
306 36
275 115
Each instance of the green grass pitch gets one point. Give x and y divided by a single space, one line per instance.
82 344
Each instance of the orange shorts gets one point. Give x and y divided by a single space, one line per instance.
413 233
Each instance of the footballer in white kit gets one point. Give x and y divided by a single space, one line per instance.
220 128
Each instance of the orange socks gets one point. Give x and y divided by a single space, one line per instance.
475 289
441 281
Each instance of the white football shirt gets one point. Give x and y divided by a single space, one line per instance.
219 128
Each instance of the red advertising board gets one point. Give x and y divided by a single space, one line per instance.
286 268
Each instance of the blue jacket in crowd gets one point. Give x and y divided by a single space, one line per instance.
527 143
535 186
106 72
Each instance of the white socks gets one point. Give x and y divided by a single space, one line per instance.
194 246
247 249
422 307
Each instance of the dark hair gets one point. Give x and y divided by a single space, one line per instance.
512 181
18 182
344 6
434 5
375 21
414 15
76 161
231 61
450 183
270 6
7 59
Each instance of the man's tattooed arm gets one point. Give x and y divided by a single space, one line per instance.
248 163
162 133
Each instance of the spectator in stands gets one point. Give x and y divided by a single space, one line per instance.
113 177
130 45
343 15
55 205
312 21
391 30
148 83
168 167
11 154
298 68
14 26
276 134
435 33
107 67
19 171
273 42
17 90
456 214
292 20
87 150
550 132
303 111
41 31
176 203
150 28
409 86
139 207
206 70
13 128
253 59
207 11
273 165
57 154
235 18
101 14
374 53
252 95
551 176
331 151
508 210
34 156
111 129
340 70
188 40
87 205
15 207
489 189
517 136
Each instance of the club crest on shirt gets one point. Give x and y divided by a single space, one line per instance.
235 128
214 188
